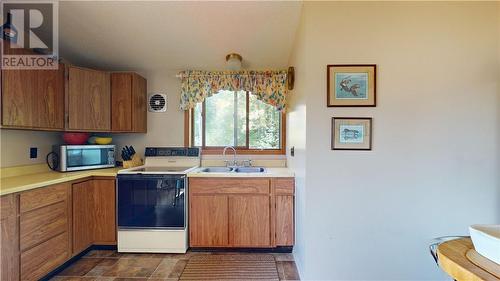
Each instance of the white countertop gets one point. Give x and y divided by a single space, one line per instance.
268 173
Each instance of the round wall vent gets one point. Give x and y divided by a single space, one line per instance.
157 103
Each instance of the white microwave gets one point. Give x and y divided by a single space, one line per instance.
83 157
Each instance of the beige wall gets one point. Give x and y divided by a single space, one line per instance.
296 138
15 146
434 166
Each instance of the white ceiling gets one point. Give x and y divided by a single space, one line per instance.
138 35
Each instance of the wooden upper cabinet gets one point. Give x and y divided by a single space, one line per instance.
50 99
89 100
128 103
33 99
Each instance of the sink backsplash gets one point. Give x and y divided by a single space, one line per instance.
260 160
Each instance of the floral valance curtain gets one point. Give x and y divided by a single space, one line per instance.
269 86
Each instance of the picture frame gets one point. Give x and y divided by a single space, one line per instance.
351 85
351 133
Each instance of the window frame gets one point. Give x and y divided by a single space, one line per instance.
212 150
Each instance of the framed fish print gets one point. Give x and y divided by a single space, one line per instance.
351 85
354 133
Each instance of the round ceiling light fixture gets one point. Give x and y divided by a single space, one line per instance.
233 61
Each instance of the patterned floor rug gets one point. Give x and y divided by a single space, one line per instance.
231 267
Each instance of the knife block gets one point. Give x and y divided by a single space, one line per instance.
136 161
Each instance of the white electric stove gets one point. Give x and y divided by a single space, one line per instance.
152 201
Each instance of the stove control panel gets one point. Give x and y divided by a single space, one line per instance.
172 151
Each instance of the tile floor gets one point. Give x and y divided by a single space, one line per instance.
108 265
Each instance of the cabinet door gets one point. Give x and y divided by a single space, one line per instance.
18 88
33 98
49 99
89 100
45 257
82 216
121 102
249 221
208 221
104 211
284 220
139 104
9 236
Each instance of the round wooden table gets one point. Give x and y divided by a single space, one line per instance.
459 259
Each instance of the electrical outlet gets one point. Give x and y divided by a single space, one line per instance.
33 152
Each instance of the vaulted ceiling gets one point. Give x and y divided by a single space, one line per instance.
138 35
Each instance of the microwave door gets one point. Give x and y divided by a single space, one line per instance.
85 157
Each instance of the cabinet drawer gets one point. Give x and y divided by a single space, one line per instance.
45 257
284 186
41 197
42 224
8 206
228 186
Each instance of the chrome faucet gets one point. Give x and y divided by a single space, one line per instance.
234 156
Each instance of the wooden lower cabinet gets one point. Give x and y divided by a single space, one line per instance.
9 235
241 212
41 259
208 221
82 216
284 220
249 221
94 208
44 230
104 224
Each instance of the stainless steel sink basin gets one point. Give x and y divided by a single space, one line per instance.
216 170
250 170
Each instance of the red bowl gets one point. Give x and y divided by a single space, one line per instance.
76 138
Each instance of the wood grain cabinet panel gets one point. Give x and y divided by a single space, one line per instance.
284 186
33 99
44 230
208 221
89 99
49 109
121 102
9 236
139 104
42 224
249 221
41 197
18 92
229 186
83 218
43 258
284 212
104 202
128 101
241 212
284 220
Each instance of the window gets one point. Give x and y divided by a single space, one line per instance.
237 119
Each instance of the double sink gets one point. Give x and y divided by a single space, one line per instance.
233 170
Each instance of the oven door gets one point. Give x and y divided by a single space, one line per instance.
151 201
